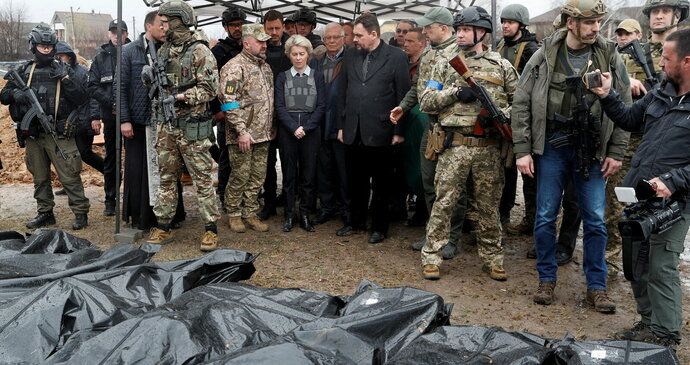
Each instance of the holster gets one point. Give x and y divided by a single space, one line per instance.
435 142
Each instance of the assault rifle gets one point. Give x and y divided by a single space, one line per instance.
36 111
489 110
634 49
582 129
154 76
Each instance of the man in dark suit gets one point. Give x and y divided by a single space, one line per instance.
375 80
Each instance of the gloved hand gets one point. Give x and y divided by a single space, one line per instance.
465 95
20 97
59 70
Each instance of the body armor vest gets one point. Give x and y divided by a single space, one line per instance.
300 92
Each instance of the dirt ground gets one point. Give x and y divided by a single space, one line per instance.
324 262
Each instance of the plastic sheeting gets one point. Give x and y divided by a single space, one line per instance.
80 305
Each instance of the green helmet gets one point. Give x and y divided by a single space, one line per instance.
516 12
680 5
306 16
581 9
179 9
42 34
475 16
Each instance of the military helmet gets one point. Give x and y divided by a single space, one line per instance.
681 5
43 34
304 15
584 8
233 13
475 16
179 9
516 12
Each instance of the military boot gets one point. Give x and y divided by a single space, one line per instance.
256 224
418 245
449 251
640 331
80 221
41 220
236 224
431 272
495 272
209 241
599 299
545 293
160 236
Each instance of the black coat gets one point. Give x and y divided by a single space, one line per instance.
102 81
365 103
665 148
135 105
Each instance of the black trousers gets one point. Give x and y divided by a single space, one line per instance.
136 206
331 176
223 161
509 192
109 165
271 181
299 157
367 164
84 140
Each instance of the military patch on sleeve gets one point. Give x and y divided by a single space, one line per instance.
230 87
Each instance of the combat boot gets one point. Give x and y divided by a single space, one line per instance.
525 228
431 272
639 332
256 224
545 293
449 250
495 272
160 236
236 225
599 299
209 241
418 245
41 220
80 221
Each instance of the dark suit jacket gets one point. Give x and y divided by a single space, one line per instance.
365 103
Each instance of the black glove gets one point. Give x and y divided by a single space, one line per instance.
20 97
465 95
59 70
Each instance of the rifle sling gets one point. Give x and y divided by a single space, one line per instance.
493 80
57 92
518 56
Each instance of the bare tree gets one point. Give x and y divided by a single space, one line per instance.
13 32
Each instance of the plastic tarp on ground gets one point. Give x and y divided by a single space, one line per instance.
103 310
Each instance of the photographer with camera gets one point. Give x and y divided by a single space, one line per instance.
663 158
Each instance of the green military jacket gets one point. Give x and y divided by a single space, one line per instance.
528 114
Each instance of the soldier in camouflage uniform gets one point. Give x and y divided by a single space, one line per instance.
664 16
437 25
191 68
471 151
246 96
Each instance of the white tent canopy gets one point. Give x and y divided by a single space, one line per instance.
208 11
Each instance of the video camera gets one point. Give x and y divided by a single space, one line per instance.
646 215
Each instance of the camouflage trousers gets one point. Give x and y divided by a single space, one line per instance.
174 151
40 154
247 175
614 208
452 171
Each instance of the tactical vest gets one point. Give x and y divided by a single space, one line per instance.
635 71
513 54
300 92
561 99
179 70
44 87
487 71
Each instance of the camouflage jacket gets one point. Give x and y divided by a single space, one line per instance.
201 72
246 96
419 80
488 68
528 115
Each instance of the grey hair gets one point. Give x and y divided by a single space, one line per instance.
298 40
334 25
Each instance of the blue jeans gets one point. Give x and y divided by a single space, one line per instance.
554 168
